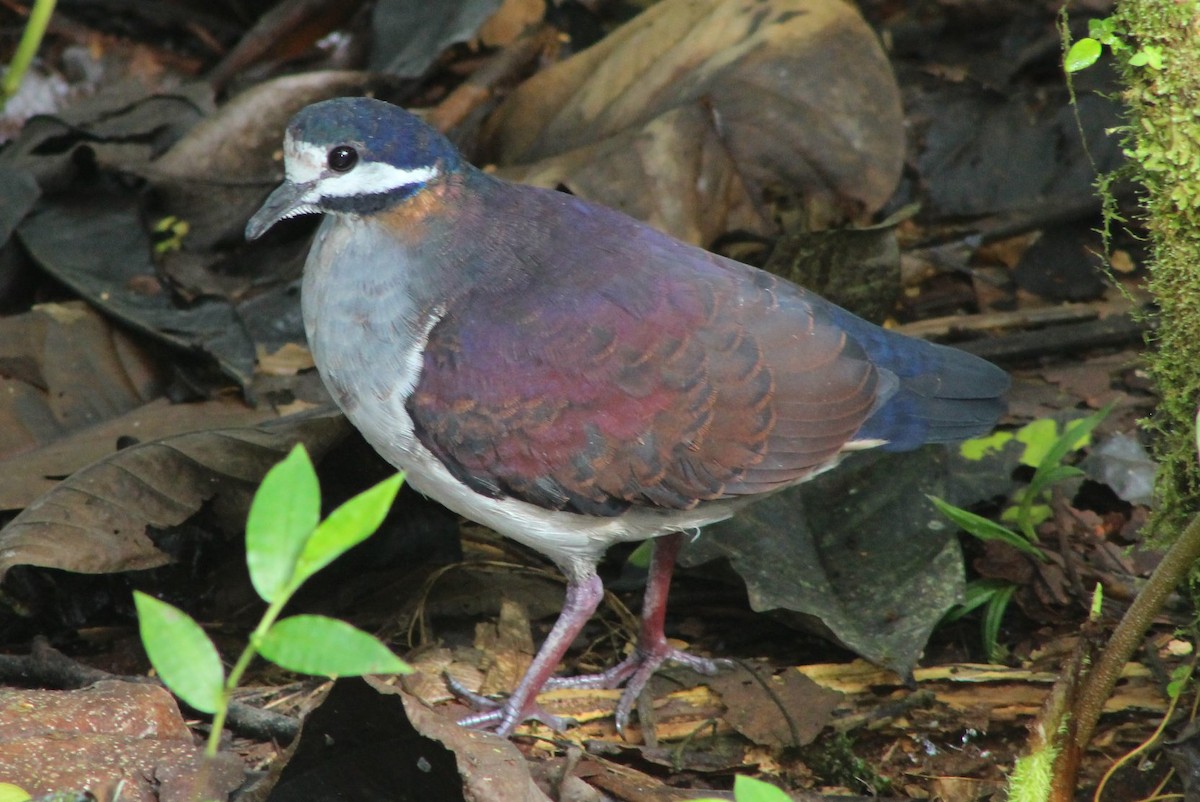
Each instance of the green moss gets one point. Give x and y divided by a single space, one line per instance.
1032 776
833 762
1163 140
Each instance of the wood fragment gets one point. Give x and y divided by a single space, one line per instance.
501 68
46 667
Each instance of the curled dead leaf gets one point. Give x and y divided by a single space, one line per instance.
682 116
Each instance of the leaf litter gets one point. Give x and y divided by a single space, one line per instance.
685 117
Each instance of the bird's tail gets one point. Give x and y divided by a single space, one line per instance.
940 395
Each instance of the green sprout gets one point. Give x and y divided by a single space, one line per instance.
1102 33
31 40
286 543
748 789
1045 450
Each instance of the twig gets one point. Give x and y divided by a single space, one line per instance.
501 67
45 666
285 30
31 39
1015 319
1098 683
1118 330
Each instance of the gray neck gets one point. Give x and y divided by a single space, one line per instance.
368 302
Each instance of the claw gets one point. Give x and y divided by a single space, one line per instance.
500 717
634 672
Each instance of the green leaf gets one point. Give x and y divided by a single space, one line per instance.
977 593
993 617
182 654
1096 27
1149 55
1083 54
986 529
977 448
1039 437
1043 479
640 557
347 526
1076 435
327 647
1179 680
286 510
748 789
13 793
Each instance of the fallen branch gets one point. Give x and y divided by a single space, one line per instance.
1098 683
46 667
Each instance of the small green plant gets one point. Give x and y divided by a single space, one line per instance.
31 39
748 789
169 233
13 793
1045 448
286 543
1102 33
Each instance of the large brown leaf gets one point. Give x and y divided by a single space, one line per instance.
682 116
108 735
99 520
64 367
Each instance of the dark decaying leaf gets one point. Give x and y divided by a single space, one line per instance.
64 368
26 475
859 548
782 709
96 737
985 154
683 115
18 192
370 741
96 244
121 127
99 520
409 35
1065 264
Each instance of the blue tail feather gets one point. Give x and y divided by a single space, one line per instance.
941 394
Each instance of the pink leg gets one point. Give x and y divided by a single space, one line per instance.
583 597
652 649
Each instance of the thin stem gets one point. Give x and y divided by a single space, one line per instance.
1143 746
31 40
1099 682
243 662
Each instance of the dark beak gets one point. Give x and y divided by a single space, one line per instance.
281 203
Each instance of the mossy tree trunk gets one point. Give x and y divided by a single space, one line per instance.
1161 73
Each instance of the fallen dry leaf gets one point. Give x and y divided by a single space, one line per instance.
26 476
64 367
100 519
104 734
683 115
784 709
507 647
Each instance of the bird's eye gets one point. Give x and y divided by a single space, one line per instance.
342 158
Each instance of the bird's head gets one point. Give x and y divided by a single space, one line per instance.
353 156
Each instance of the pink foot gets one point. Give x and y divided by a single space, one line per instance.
634 672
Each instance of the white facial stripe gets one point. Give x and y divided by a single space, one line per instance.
372 178
306 163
